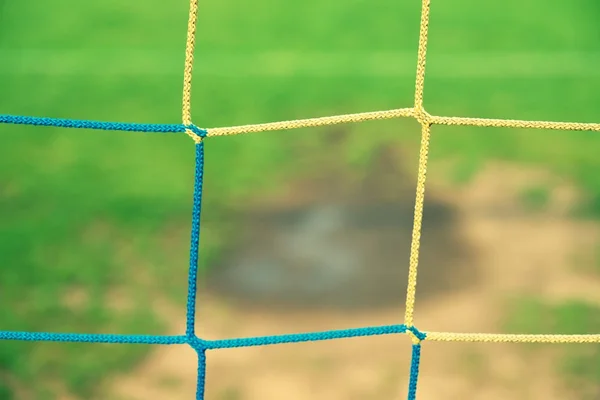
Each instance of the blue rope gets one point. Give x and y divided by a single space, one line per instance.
98 125
190 331
414 371
304 337
91 338
190 338
201 376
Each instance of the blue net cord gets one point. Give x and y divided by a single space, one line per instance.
190 338
190 330
88 124
201 377
414 371
201 343
304 337
91 338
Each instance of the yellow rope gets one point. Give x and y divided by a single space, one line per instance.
312 122
427 121
505 338
511 123
416 233
423 118
421 58
187 71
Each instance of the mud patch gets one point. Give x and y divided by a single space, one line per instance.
342 248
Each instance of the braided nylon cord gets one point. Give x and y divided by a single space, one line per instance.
513 123
510 338
417 111
312 122
186 108
423 119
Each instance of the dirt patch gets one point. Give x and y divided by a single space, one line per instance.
344 246
509 252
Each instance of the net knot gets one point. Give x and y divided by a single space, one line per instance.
197 134
423 116
416 335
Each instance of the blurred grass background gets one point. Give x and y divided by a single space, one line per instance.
88 217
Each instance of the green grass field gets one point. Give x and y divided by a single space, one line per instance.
85 215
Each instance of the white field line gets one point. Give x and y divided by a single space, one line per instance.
289 64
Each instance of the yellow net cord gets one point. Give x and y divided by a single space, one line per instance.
426 120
